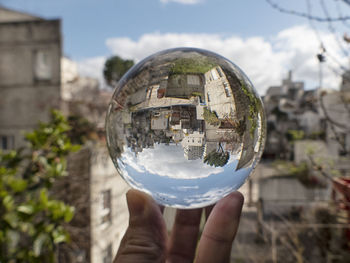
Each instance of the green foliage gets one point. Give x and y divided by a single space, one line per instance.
197 94
114 68
254 107
211 117
240 127
217 158
191 66
295 135
81 129
320 135
31 221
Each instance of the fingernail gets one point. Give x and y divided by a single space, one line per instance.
136 202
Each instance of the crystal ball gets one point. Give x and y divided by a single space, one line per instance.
186 126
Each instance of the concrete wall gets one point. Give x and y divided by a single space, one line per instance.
91 172
316 149
310 122
104 177
338 112
216 98
280 194
29 74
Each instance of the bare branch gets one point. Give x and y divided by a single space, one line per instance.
332 29
332 124
325 51
305 15
319 168
328 118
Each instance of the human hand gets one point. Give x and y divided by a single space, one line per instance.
146 239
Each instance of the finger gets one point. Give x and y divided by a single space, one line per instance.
220 230
145 238
208 210
184 236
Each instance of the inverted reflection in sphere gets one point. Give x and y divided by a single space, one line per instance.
186 126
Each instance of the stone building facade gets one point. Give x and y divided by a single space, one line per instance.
98 196
30 54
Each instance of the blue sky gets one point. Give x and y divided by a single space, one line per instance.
88 23
249 32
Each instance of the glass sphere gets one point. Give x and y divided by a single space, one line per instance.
186 126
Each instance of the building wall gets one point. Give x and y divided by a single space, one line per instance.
280 194
92 173
219 98
338 112
316 149
29 74
105 178
310 122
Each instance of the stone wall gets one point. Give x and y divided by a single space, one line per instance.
104 177
90 173
29 75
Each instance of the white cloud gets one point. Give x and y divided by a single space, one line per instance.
265 60
168 161
92 67
185 188
185 2
208 198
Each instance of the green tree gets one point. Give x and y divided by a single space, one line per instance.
211 117
31 220
114 68
217 158
81 129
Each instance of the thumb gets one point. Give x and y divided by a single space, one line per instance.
145 238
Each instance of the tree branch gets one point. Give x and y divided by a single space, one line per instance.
305 15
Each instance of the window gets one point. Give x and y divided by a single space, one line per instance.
219 72
107 254
42 65
227 90
7 142
79 256
106 206
208 97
